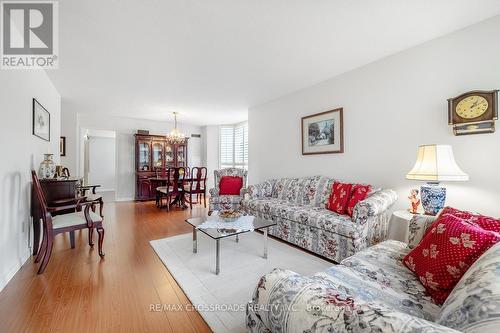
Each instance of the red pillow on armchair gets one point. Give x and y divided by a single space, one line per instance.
230 185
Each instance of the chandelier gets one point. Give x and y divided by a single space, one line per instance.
175 137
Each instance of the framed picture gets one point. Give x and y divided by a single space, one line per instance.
323 133
62 146
41 121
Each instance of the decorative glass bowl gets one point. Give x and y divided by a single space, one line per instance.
229 215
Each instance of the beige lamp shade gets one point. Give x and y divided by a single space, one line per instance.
435 163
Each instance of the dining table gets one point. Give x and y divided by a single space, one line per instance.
180 199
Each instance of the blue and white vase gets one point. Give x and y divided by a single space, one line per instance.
433 198
47 168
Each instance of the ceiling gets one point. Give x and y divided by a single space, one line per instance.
212 60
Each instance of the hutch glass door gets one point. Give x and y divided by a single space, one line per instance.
181 155
144 156
157 155
169 156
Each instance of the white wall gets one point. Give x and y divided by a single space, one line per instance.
69 130
102 162
125 128
211 152
390 107
21 152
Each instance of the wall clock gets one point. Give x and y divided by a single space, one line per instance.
474 112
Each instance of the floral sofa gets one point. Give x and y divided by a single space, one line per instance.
372 291
298 207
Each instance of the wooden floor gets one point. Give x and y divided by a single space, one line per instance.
81 293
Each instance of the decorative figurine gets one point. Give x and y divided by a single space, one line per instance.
414 201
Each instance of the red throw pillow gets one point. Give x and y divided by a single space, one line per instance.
481 221
450 247
339 197
230 185
359 193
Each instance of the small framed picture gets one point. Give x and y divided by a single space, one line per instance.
41 121
62 146
323 133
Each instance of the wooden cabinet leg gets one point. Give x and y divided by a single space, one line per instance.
72 239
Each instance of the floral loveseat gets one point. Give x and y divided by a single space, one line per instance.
298 207
372 291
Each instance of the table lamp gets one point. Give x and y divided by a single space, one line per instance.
435 163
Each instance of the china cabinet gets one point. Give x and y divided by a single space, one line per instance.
153 154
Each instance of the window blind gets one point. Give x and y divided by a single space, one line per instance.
226 146
234 146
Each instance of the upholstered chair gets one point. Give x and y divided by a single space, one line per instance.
220 201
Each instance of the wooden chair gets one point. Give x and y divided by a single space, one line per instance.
197 185
162 189
174 188
57 224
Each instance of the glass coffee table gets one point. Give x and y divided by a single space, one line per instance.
218 234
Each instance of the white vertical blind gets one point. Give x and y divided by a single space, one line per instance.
226 142
234 146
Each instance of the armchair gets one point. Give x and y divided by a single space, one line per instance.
55 224
227 202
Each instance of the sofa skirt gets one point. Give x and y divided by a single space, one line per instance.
327 244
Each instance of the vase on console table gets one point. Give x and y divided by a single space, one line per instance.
47 168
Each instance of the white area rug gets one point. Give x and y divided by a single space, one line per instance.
242 265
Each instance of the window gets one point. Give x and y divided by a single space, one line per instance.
234 146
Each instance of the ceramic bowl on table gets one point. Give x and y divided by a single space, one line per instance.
229 215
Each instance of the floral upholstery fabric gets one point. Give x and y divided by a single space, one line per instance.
418 226
474 303
307 215
226 202
262 190
378 273
298 207
368 292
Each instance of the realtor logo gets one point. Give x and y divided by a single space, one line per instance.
29 34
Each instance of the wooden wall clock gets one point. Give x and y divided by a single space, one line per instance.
474 112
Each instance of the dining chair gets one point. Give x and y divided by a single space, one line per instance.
174 188
56 224
162 189
197 185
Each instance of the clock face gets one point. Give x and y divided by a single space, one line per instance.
472 107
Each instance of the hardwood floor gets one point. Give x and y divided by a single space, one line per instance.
80 293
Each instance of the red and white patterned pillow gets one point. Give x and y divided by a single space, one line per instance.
445 253
481 221
358 193
339 197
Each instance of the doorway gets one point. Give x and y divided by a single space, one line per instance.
99 162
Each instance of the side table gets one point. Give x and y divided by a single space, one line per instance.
399 225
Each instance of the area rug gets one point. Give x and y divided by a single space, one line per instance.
221 299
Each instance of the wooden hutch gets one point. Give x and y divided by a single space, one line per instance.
154 154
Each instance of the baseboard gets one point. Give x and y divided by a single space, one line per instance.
124 199
100 190
13 270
